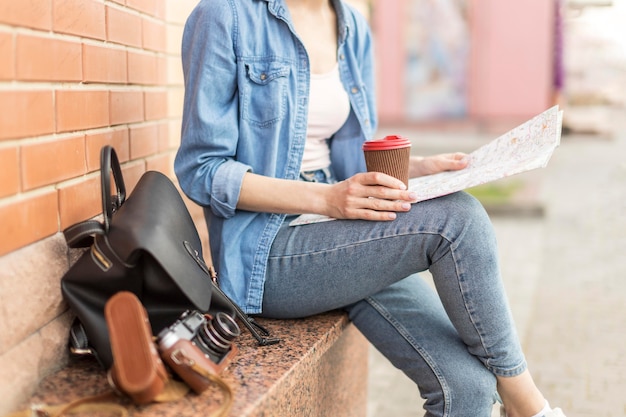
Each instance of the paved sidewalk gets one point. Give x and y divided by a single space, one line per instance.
564 275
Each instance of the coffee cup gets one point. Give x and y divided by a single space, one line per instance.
389 155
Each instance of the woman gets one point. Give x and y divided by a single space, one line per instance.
279 99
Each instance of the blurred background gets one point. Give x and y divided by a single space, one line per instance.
496 62
455 74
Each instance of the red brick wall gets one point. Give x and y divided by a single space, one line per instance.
74 75
77 74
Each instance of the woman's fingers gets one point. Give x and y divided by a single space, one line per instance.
372 196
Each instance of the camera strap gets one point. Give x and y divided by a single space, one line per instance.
106 402
183 360
87 405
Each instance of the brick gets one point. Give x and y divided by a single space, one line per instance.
117 138
10 177
161 70
132 172
27 220
174 71
175 98
126 107
79 201
80 17
174 129
164 140
7 52
178 11
174 39
197 214
47 59
163 163
142 68
104 64
36 14
156 104
144 6
153 35
49 162
144 141
81 109
26 113
160 9
123 27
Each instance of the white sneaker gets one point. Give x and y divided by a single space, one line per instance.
555 412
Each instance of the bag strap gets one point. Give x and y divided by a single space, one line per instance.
216 379
109 163
260 333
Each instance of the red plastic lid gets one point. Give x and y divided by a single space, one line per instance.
386 143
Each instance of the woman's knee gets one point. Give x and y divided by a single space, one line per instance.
466 206
468 217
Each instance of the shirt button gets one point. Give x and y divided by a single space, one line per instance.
355 90
342 57
263 76
367 122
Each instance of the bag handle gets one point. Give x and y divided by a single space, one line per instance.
110 203
80 235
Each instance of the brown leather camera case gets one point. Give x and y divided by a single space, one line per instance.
137 369
189 363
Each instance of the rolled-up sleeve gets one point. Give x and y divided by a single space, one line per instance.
226 187
205 162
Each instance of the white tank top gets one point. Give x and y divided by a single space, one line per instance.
329 108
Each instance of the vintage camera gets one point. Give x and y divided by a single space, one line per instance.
197 344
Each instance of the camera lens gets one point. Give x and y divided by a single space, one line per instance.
218 334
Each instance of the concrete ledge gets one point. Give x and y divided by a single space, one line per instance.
319 369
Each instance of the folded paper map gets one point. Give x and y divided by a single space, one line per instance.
528 146
524 148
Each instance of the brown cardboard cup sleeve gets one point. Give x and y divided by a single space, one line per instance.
389 155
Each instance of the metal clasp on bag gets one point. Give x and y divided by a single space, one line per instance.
99 259
210 271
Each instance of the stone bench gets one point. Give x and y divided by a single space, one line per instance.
319 369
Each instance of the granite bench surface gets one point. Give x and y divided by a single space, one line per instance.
264 379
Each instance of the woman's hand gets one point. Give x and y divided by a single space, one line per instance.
368 196
420 166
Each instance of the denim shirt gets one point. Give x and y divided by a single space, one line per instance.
245 110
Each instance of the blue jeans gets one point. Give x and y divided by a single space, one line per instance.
451 342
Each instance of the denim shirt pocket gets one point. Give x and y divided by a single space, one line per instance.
264 92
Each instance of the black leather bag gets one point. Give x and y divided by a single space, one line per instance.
146 244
